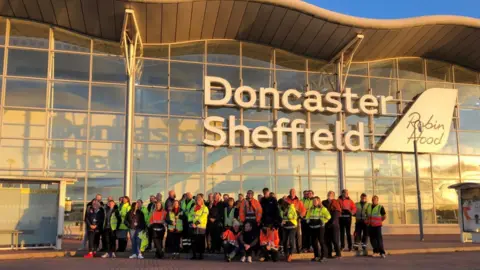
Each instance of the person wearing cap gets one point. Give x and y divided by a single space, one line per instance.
361 228
230 240
317 217
376 214
269 244
332 228
289 227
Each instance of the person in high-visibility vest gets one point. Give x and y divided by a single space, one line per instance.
317 217
175 229
230 240
150 208
375 216
269 244
289 227
361 228
251 210
110 225
199 226
157 223
122 231
186 206
229 215
307 204
293 199
345 221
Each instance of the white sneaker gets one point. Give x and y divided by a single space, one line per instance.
140 256
242 259
134 256
113 255
383 256
249 259
105 255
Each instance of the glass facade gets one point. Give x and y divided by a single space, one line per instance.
63 102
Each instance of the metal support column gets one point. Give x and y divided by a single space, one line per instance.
340 118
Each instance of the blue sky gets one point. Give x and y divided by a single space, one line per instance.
392 9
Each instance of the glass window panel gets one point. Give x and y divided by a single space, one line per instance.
145 185
3 30
387 164
443 194
468 95
447 214
439 85
260 115
231 74
389 190
291 115
151 100
358 164
2 54
410 190
152 72
258 161
412 213
286 60
285 183
68 41
106 156
69 125
225 184
186 131
70 96
18 89
185 158
395 213
257 183
257 78
21 154
76 193
193 51
323 163
410 89
24 124
183 183
255 55
353 121
469 119
320 120
28 34
470 167
357 69
186 75
107 184
290 80
292 162
109 69
151 129
445 166
27 63
150 157
423 164
357 186
224 52
320 66
225 112
463 75
186 103
384 87
322 185
384 68
107 127
107 47
322 82
359 85
67 155
411 68
451 146
469 143
155 51
64 69
439 71
223 160
108 98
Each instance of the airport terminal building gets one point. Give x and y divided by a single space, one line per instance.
130 97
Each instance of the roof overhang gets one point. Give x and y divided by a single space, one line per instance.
294 26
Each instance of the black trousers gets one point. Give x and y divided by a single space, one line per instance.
157 238
332 238
271 254
198 244
104 240
110 240
376 239
317 237
122 241
248 252
173 242
208 235
150 233
306 243
93 240
345 230
229 248
298 236
215 231
361 233
288 240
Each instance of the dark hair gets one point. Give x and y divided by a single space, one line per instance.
128 199
363 195
265 190
230 199
111 201
134 205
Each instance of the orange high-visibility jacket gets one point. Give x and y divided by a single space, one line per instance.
255 206
270 237
301 211
158 217
229 235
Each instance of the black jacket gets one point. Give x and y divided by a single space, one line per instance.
168 201
216 211
150 206
95 218
108 215
271 213
135 217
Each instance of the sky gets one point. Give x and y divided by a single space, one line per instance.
394 9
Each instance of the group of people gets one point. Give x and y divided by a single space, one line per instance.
266 227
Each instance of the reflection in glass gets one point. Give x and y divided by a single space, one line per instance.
464 75
358 164
322 185
469 119
412 213
155 51
223 160
151 129
470 167
108 98
192 51
21 154
323 163
64 69
225 112
255 55
352 121
107 127
322 82
469 143
387 164
186 103
257 183
3 30
445 166
384 87
151 100
18 89
358 69
231 74
447 214
443 194
186 158
186 75
145 185
389 190
225 184
70 96
357 186
292 162
285 183
257 78
410 190
410 89
359 85
395 213
290 80
69 125
107 47
150 157
28 34
258 161
106 156
256 114
423 164
67 155
24 124
152 72
411 68
105 183
109 69
439 71
27 63
383 68
223 51
468 95
183 183
320 66
68 41
185 131
286 60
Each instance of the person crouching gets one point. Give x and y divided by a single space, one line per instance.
230 241
269 244
157 225
248 240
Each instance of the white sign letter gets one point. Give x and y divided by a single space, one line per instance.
208 91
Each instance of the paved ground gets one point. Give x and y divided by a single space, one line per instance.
439 261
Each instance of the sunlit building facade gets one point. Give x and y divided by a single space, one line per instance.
64 101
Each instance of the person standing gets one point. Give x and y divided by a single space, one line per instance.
270 215
240 200
157 225
171 198
175 229
251 210
199 226
332 228
348 210
300 208
208 204
307 203
317 217
289 227
187 218
97 198
269 244
135 221
122 231
151 209
361 228
214 225
111 224
94 221
375 216
229 214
